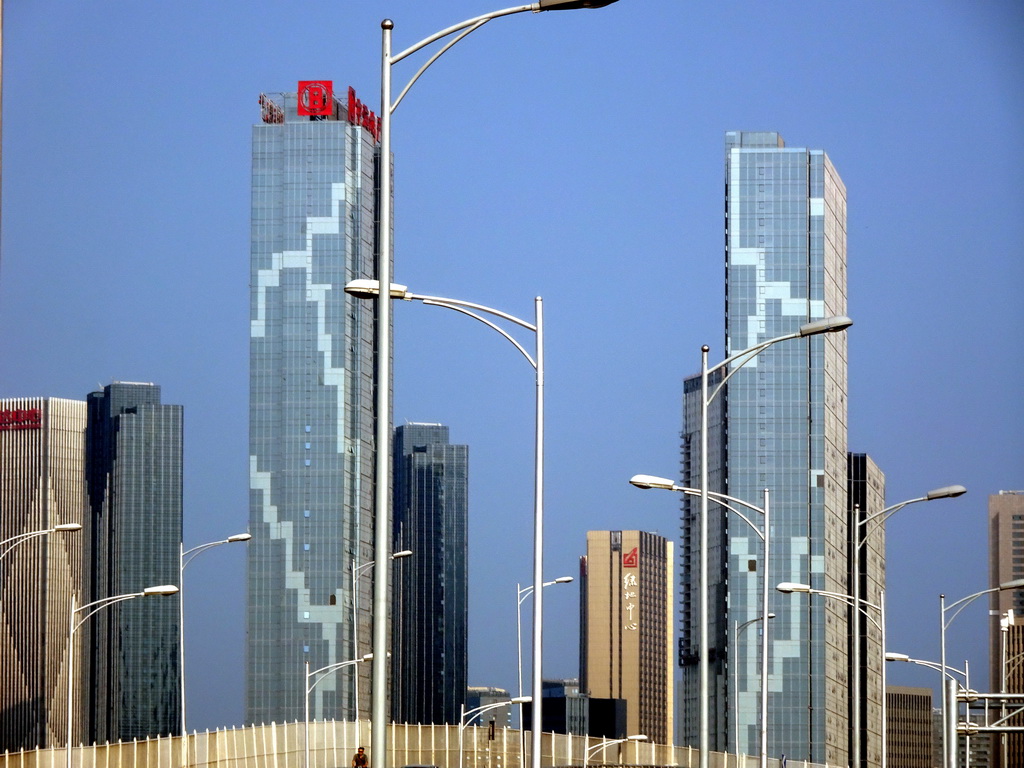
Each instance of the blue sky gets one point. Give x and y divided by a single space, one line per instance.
577 156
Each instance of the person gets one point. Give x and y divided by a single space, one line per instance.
359 759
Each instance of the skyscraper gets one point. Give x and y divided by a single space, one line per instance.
1005 563
780 425
431 587
626 627
311 400
134 481
42 484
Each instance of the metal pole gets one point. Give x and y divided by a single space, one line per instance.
71 675
382 506
355 645
885 695
519 651
536 726
736 687
1003 630
855 721
765 622
949 719
462 727
181 641
703 544
306 718
947 761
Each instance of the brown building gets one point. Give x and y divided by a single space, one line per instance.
42 484
909 727
1005 563
626 627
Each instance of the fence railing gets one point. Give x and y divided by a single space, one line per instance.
332 744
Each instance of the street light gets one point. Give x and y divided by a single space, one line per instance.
860 537
737 361
96 606
737 630
21 538
356 572
370 288
949 736
860 605
308 688
184 558
607 743
384 344
521 594
464 713
724 500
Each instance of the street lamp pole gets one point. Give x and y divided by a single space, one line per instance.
323 672
827 325
191 554
73 626
464 713
724 500
21 538
356 572
860 537
588 751
737 629
383 335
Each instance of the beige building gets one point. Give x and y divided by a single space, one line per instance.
1005 563
909 733
42 484
626 627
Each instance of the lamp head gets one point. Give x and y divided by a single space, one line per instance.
563 579
239 537
521 700
789 587
771 615
826 325
68 527
650 481
948 492
638 737
896 657
165 589
571 5
1015 584
368 289
402 553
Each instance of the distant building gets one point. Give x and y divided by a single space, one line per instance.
134 478
430 600
42 484
626 627
482 696
909 714
315 161
1008 748
1005 563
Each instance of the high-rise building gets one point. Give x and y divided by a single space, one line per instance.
626 627
431 587
42 484
866 497
780 425
311 402
909 731
134 482
1005 563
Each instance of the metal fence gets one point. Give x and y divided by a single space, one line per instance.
331 745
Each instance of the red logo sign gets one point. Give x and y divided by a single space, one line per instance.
21 419
360 114
270 111
315 97
631 559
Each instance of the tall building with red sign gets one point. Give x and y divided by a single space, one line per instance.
42 484
626 627
311 402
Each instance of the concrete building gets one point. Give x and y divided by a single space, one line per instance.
780 425
1005 563
311 402
430 603
134 448
42 484
910 727
626 627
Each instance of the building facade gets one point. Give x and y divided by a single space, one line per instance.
311 402
430 603
626 627
42 484
134 482
780 425
909 732
866 497
1005 563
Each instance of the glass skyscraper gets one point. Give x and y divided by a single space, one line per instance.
134 484
311 402
781 425
431 594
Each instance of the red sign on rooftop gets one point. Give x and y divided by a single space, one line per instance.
315 98
21 418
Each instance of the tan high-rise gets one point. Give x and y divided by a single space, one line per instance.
42 484
626 627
